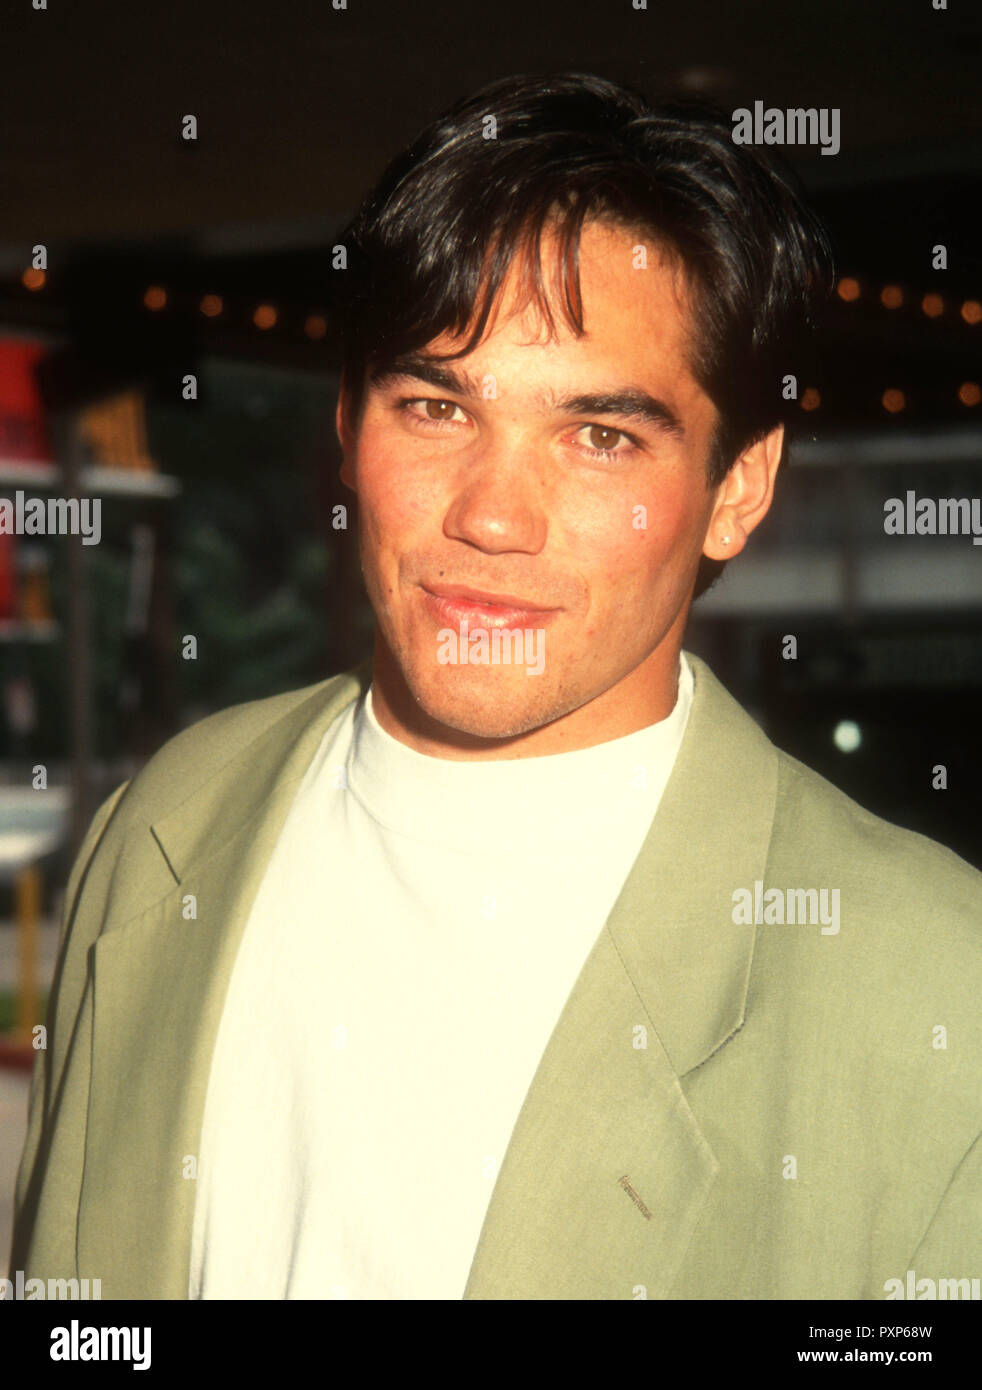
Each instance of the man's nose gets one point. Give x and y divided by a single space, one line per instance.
500 503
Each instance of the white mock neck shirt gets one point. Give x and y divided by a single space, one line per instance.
419 927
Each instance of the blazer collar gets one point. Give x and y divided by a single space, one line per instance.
672 922
600 1108
259 774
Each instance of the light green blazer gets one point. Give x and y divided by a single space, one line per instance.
726 1108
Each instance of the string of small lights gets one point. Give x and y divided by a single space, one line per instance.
849 290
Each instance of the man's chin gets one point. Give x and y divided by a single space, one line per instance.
485 705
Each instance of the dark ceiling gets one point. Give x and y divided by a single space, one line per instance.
300 104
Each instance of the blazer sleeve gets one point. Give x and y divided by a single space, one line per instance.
951 1247
62 1016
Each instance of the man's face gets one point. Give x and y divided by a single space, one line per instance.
506 478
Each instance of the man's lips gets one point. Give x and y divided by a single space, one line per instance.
453 605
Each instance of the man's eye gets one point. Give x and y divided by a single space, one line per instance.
602 439
428 408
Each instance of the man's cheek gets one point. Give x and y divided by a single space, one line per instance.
403 502
391 516
671 542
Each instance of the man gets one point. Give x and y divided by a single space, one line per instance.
520 964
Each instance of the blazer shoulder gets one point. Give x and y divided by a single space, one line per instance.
880 863
198 753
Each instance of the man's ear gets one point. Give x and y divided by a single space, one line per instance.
744 497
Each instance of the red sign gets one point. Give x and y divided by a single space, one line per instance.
23 436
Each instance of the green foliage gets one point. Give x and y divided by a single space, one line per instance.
8 1009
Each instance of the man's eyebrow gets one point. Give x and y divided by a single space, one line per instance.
419 368
632 403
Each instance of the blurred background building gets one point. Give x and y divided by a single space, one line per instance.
131 258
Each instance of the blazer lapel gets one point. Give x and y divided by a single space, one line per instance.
160 981
608 1171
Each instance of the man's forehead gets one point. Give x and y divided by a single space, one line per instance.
633 333
623 286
